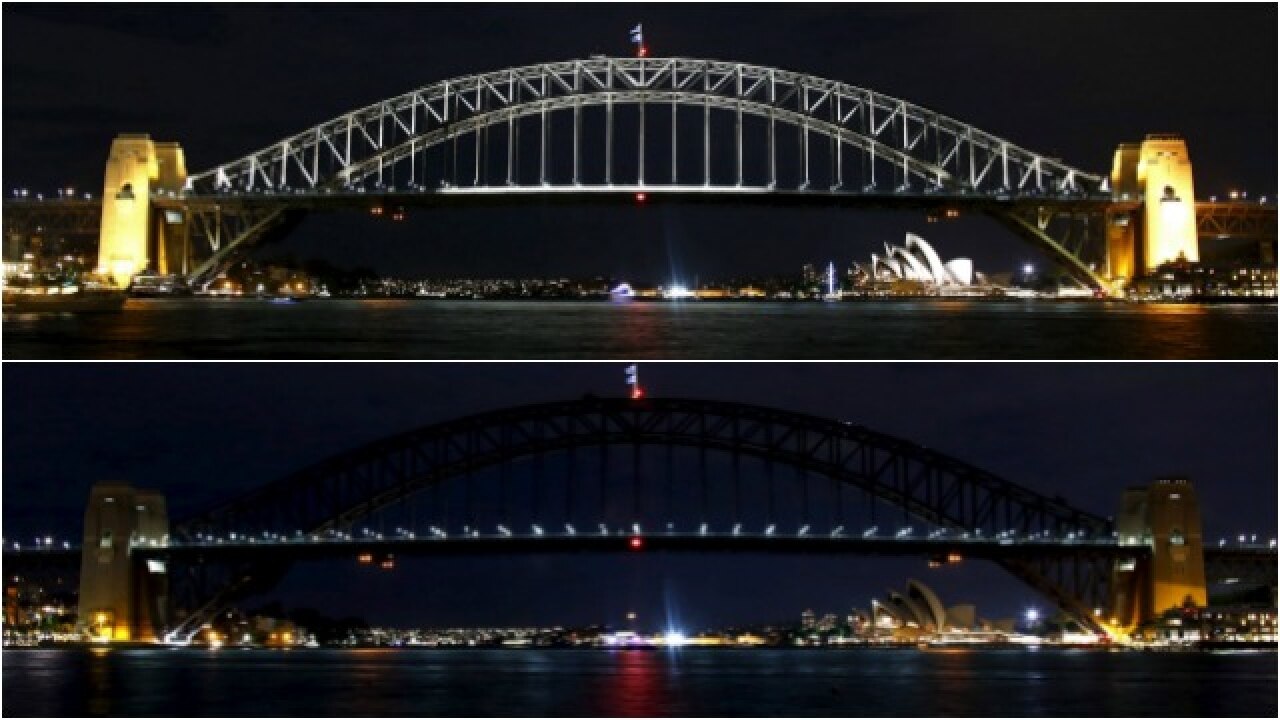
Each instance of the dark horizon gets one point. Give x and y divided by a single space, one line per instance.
1081 431
1093 77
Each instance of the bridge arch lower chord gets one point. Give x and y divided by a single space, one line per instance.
339 492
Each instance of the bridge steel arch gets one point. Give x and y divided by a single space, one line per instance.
879 145
339 492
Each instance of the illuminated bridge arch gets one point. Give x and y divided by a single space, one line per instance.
938 491
668 127
903 146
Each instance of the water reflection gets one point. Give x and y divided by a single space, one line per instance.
400 328
637 685
690 682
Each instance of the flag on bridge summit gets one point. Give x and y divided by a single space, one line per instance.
637 34
633 379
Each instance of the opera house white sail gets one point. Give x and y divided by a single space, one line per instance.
918 261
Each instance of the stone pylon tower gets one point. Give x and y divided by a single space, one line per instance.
1164 516
121 599
1157 174
131 230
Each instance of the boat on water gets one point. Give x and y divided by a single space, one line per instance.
153 285
68 297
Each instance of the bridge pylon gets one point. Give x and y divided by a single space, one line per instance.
1165 517
121 599
1153 218
134 235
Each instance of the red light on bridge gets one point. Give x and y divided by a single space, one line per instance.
637 392
637 542
640 197
642 51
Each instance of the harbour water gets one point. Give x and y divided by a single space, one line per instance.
194 328
687 682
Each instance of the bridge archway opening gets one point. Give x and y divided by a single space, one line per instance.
657 242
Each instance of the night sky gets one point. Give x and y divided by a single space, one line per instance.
206 432
1071 82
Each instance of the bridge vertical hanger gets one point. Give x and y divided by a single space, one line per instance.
577 124
608 128
571 472
640 142
706 125
604 474
669 506
511 149
837 144
504 470
804 135
675 85
479 129
635 484
382 116
546 137
737 127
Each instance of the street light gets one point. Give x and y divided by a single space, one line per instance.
1032 616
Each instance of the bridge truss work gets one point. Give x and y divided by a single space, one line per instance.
665 127
587 475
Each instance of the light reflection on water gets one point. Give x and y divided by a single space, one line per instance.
688 682
409 329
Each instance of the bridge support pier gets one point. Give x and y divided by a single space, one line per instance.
133 235
1164 516
122 599
1154 221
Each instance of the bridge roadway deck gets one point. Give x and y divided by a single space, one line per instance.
658 542
496 196
589 542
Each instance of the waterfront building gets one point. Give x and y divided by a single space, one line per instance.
1232 624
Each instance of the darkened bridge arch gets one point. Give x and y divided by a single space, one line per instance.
939 490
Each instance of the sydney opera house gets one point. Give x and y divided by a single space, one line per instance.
918 611
917 262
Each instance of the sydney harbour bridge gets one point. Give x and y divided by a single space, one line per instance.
648 130
649 475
